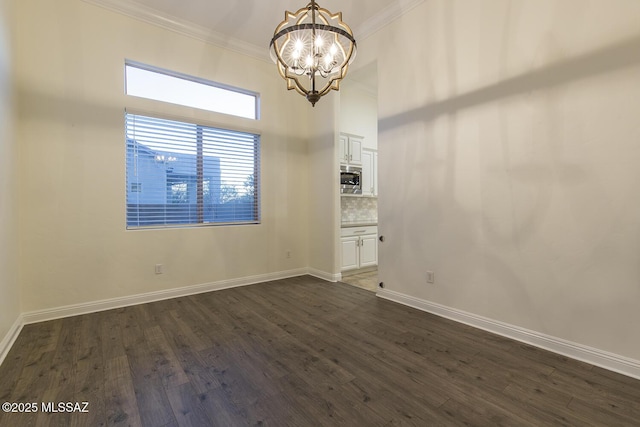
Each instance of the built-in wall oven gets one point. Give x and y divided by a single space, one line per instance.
350 179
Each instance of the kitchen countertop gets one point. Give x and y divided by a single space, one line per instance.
348 224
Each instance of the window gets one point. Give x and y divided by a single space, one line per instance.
161 85
186 174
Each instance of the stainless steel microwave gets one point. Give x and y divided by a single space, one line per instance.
350 180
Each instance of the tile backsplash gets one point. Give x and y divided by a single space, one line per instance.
359 209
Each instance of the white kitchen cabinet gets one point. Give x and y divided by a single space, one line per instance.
359 247
368 255
369 179
350 150
350 252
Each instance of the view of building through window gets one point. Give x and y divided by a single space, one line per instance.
181 173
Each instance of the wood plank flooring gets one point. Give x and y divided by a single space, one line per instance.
298 352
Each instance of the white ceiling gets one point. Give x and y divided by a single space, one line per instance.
253 21
247 26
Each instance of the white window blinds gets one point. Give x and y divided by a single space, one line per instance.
181 174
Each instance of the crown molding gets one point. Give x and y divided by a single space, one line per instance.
187 28
386 16
183 27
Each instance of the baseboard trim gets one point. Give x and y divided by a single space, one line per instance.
112 303
330 277
593 356
10 338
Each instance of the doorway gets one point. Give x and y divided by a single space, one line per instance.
359 120
367 280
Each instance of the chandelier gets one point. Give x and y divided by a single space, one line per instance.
313 49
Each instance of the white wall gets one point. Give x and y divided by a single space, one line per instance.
324 194
72 178
509 150
9 286
359 112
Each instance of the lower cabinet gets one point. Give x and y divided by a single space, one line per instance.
359 247
368 250
350 252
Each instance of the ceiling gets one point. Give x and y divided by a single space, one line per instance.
253 21
247 26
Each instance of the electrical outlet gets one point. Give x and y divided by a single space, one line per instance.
159 268
431 277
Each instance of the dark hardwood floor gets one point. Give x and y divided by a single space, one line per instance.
298 352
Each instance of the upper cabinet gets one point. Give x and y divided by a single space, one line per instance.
369 180
350 149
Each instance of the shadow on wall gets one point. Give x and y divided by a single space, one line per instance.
611 58
443 216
